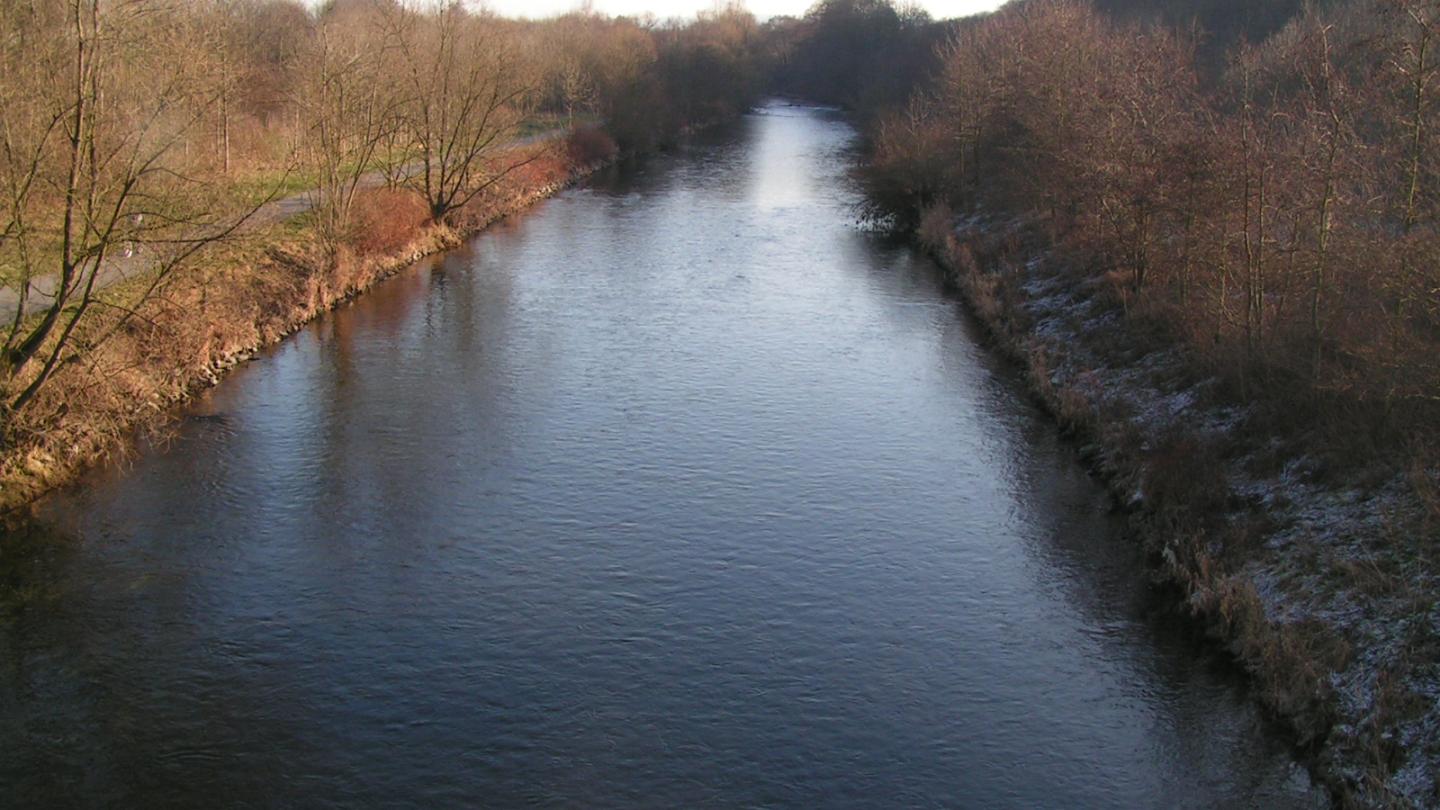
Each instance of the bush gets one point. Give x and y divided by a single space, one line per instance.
937 228
385 220
589 145
1185 481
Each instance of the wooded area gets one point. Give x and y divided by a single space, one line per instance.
143 134
1278 214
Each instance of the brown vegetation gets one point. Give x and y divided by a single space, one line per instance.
1253 230
384 220
1283 222
242 297
139 138
591 144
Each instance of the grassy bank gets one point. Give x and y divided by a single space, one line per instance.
239 298
1319 581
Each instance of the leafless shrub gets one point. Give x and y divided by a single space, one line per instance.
385 220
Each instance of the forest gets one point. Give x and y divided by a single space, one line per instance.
1264 190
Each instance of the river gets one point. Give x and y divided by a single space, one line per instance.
678 490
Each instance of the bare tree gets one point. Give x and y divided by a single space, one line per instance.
464 85
349 116
90 164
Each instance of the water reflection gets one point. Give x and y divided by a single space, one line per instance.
679 491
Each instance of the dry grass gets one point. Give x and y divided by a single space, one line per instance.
1424 477
1069 404
936 229
1184 481
1292 662
1394 702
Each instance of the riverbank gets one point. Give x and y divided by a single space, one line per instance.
242 298
1320 584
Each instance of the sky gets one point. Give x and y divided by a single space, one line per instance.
763 9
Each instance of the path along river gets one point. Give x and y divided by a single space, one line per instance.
680 490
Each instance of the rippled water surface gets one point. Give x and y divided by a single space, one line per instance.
678 491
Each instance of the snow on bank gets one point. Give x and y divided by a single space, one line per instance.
1330 555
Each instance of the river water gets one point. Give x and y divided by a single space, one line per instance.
680 490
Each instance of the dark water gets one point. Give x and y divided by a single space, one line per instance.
679 491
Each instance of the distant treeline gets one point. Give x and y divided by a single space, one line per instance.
863 54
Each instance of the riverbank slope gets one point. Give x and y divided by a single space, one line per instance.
1320 581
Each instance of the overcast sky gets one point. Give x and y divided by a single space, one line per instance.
684 8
